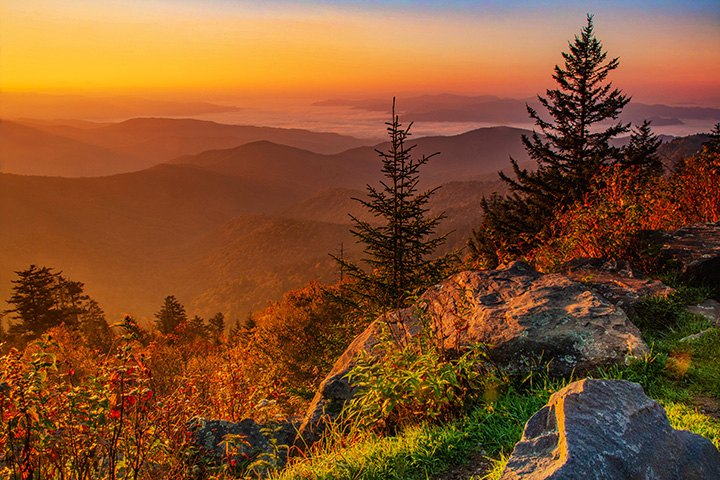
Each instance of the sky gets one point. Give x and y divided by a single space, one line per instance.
669 51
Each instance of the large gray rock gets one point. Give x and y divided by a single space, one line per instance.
694 251
615 280
608 430
527 317
251 440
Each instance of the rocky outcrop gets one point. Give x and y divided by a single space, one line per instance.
220 441
527 318
694 251
615 280
608 430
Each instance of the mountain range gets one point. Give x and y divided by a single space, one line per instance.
223 229
511 111
88 149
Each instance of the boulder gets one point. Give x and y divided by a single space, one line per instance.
528 319
608 430
615 280
693 250
246 440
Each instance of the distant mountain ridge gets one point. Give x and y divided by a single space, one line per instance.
463 157
29 151
81 149
509 111
227 229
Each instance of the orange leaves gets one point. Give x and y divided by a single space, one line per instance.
619 204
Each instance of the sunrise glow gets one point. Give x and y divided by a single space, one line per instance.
322 48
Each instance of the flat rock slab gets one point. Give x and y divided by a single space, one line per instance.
615 280
608 430
693 250
710 309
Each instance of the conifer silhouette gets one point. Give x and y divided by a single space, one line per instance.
569 150
397 250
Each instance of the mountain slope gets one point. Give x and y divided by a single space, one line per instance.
30 151
162 139
299 170
463 157
120 234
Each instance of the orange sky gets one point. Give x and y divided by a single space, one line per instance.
323 49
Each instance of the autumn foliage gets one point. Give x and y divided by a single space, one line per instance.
71 409
620 203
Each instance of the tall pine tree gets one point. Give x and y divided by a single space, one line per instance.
569 149
35 300
398 248
170 316
216 326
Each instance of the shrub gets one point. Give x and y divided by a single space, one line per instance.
305 333
410 382
619 204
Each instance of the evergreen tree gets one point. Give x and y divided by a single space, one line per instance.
398 250
196 327
239 329
35 300
569 150
170 316
93 325
713 144
642 152
216 325
44 299
72 300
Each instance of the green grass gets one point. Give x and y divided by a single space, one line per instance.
684 417
421 451
674 373
681 369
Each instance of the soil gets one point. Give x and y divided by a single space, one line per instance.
708 406
476 465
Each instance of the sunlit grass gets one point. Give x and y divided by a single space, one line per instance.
425 450
421 451
682 416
